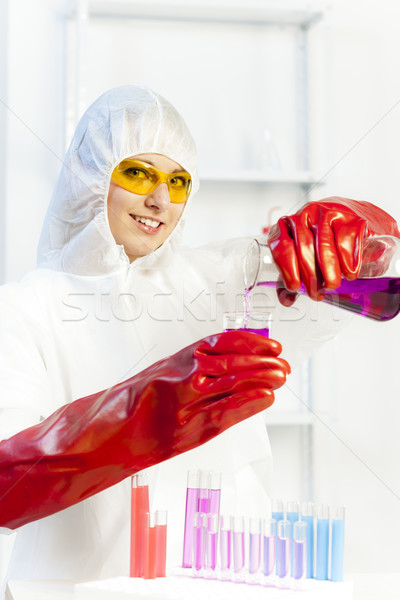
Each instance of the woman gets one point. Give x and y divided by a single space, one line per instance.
116 293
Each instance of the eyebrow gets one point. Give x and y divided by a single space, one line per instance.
149 162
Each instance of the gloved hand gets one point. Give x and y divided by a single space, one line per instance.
324 241
171 407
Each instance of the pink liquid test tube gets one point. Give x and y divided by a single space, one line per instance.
254 550
204 492
238 549
192 507
139 510
199 540
161 543
211 546
283 553
225 537
269 548
215 492
149 568
299 553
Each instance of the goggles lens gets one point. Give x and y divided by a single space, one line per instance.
140 178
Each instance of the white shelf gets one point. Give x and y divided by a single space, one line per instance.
262 177
276 13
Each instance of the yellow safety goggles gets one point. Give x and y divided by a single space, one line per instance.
141 178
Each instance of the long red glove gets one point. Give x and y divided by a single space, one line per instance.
171 407
323 241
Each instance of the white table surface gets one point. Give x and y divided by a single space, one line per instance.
366 586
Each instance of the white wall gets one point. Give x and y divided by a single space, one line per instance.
355 142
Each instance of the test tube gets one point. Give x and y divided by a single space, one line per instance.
215 492
322 550
238 549
211 543
254 550
225 536
204 492
337 548
199 526
149 567
269 547
192 502
161 542
293 515
283 553
299 552
308 517
139 510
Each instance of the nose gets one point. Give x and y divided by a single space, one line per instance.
159 198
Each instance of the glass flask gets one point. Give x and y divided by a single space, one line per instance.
374 294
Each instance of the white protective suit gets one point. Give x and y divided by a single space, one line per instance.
87 319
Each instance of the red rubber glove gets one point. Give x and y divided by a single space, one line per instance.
324 241
171 407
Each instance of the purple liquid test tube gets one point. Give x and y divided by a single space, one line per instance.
283 540
211 545
215 492
204 492
225 537
238 549
199 540
269 547
254 550
299 553
192 507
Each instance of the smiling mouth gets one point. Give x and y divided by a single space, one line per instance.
147 222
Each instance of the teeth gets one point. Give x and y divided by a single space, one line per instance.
148 222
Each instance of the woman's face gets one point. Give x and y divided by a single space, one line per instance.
127 211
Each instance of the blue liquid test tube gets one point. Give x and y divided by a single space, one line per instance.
283 544
308 517
269 554
299 553
293 515
322 550
255 529
337 546
225 545
238 549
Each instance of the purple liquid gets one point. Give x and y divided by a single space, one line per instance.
377 299
211 551
204 501
192 495
215 499
263 331
238 551
198 550
225 548
254 552
269 555
299 559
283 557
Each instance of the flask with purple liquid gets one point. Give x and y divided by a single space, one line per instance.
248 320
374 294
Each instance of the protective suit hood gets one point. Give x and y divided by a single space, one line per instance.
125 121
